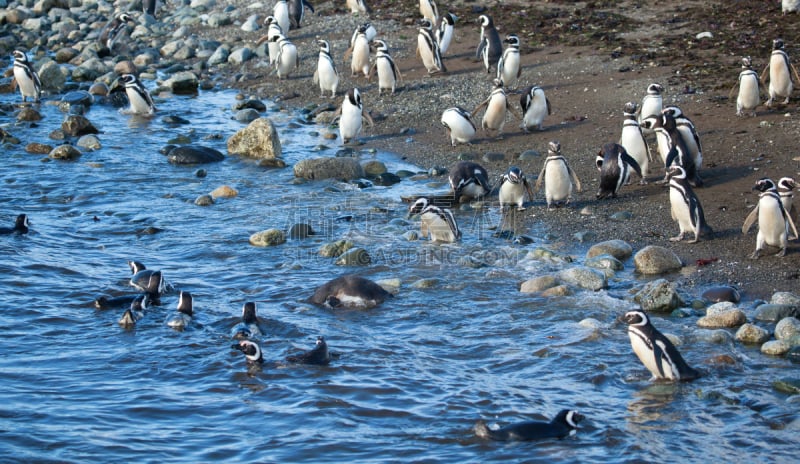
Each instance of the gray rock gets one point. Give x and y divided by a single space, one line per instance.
269 237
549 255
426 283
251 24
354 257
335 249
205 200
194 154
240 55
557 291
538 284
529 155
776 347
202 5
724 317
788 386
258 140
374 168
300 231
619 249
658 296
184 82
53 76
655 259
89 142
219 20
76 97
38 148
471 262
604 262
621 216
28 114
65 152
721 293
752 334
90 70
329 168
246 115
219 56
493 157
787 328
774 312
785 298
584 277
76 125
35 24
584 236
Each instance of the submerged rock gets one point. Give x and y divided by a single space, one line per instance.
538 284
774 312
194 154
354 257
335 249
329 168
65 152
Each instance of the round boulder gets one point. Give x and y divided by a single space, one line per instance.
752 334
75 125
65 152
619 249
269 237
584 277
258 140
787 328
538 284
354 257
721 293
722 315
655 259
658 296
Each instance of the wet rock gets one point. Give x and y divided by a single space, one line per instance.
75 125
125 67
374 168
390 285
658 296
752 334
538 284
250 103
64 152
89 142
38 148
354 257
621 216
224 191
787 328
65 55
785 298
604 262
76 97
655 259
584 277
793 354
258 140
722 315
721 293
240 55
788 386
272 163
300 231
619 249
53 76
329 168
194 154
411 235
182 83
471 262
175 119
28 115
335 249
246 115
558 290
774 312
547 254
422 284
269 237
715 335
90 70
204 200
386 179
776 347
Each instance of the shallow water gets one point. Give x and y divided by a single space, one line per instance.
413 376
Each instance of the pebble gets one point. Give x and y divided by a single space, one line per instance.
204 200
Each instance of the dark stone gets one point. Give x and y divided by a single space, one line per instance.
252 104
298 231
386 179
721 293
173 119
28 115
75 125
77 97
194 154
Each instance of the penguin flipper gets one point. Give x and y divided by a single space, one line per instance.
371 71
528 188
366 117
480 107
481 46
315 79
794 72
750 220
347 54
575 179
733 90
763 76
792 227
549 109
539 179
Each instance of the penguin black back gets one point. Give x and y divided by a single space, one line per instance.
318 355
565 422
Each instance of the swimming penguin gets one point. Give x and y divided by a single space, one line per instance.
350 291
146 280
558 178
112 302
494 116
513 187
774 223
351 113
563 425
468 181
749 96
428 49
318 355
428 10
655 351
436 223
249 326
288 59
688 133
112 32
21 225
458 125
388 72
651 103
141 103
135 313
685 206
251 350
445 30
273 32
358 6
632 139
280 11
359 62
535 107
782 73
185 311
326 75
509 68
490 48
26 77
786 186
297 10
615 166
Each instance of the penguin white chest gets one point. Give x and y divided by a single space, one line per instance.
534 116
447 37
495 116
281 14
273 47
510 68
780 78
664 143
748 98
426 53
512 194
461 129
326 73
772 227
680 210
139 105
350 121
788 6
287 60
386 77
26 84
647 356
651 106
633 142
436 228
557 184
360 62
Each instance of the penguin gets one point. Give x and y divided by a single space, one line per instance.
369 31
326 75
428 10
141 103
688 133
445 30
672 146
774 222
558 177
249 326
388 72
20 227
615 166
563 425
112 302
535 107
490 48
651 102
288 59
632 139
350 291
749 96
360 53
513 186
782 73
280 11
351 114
508 68
112 32
494 116
318 355
273 46
358 6
26 77
428 49
252 351
786 186
135 313
685 206
468 181
438 224
185 311
147 280
458 125
297 10
655 351
788 6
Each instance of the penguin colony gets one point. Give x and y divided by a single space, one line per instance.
676 137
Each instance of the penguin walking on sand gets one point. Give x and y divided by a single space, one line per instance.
494 116
655 350
351 115
326 75
437 223
384 65
513 187
445 29
774 223
359 62
468 181
297 10
749 96
685 206
288 59
651 102
632 139
458 125
141 102
615 166
280 11
428 48
429 10
563 425
782 74
535 107
490 48
509 68
26 77
672 146
559 179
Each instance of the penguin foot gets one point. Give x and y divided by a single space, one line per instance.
676 238
756 254
781 253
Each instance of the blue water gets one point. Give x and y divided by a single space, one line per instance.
413 375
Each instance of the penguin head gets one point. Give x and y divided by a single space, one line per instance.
20 56
554 147
251 351
512 39
21 224
136 266
128 80
787 183
320 343
380 45
185 303
425 23
450 18
418 206
125 18
249 313
485 20
354 97
515 175
364 28
630 108
324 45
270 20
654 89
746 63
673 111
636 318
569 418
676 172
777 44
765 184
497 83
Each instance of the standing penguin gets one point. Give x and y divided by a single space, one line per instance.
352 112
445 29
782 73
509 68
655 351
490 48
428 49
280 11
428 10
558 177
388 72
774 222
615 166
112 32
288 59
672 146
632 139
468 180
513 187
535 107
359 62
437 223
326 75
140 100
458 125
786 186
685 206
26 77
688 133
749 97
273 31
494 118
651 102
358 6
297 10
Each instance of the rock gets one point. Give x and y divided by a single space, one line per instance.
329 168
125 67
584 236
258 140
529 155
299 231
471 262
374 168
38 148
89 142
604 262
239 56
219 56
785 298
558 290
547 254
658 296
655 259
426 283
386 179
99 88
90 70
250 103
722 318
224 191
721 293
28 115
411 235
194 154
354 257
269 237
493 157
76 97
538 284
776 347
793 354
272 163
584 277
787 328
335 249
65 152
752 334
182 83
250 24
246 115
65 54
204 200
619 249
774 312
390 285
53 77
788 386
75 125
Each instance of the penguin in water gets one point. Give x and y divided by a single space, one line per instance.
252 351
749 96
632 139
326 75
351 113
297 10
445 29
563 425
350 291
359 49
141 103
148 281
468 181
651 102
535 107
319 355
26 77
288 59
509 68
20 227
184 314
774 222
685 206
490 48
135 313
388 72
458 125
359 6
494 116
513 187
559 179
655 351
280 11
615 166
428 49
436 223
782 73
249 326
111 33
428 10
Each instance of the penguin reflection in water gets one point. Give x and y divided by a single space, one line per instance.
656 351
563 425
